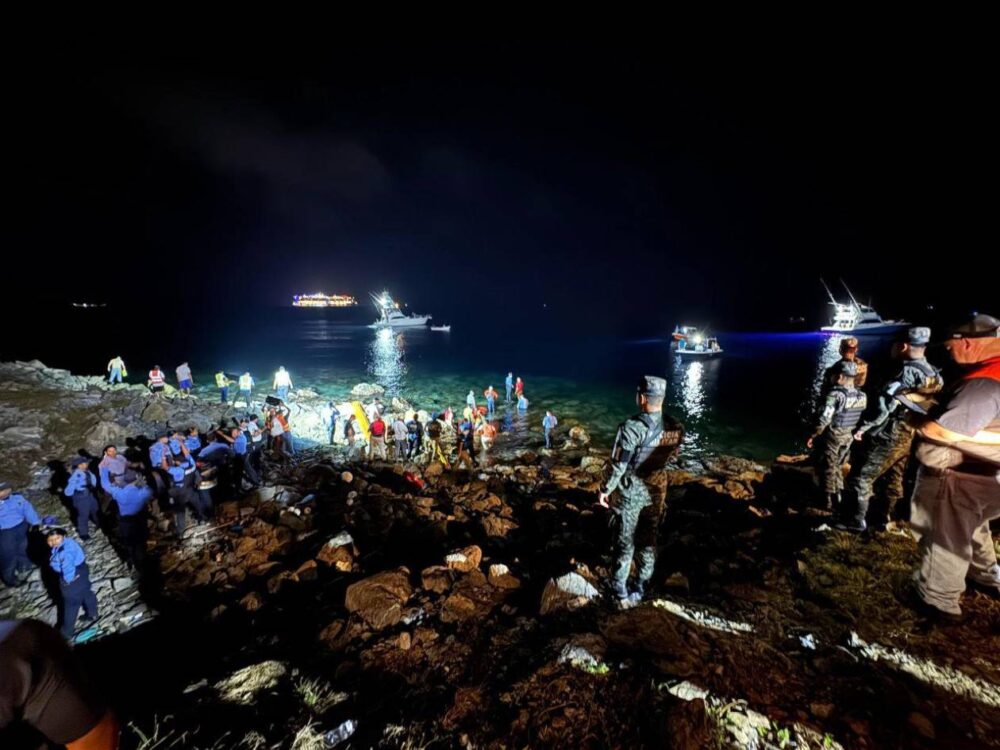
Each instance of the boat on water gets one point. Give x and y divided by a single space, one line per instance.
443 329
692 342
323 300
858 319
89 305
390 316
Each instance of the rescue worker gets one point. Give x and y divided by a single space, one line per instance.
549 423
185 380
491 400
642 447
282 383
414 436
80 490
487 434
848 353
958 484
156 381
192 441
466 441
132 497
43 686
434 452
112 466
839 416
281 415
70 563
116 370
329 414
222 383
17 516
183 493
887 438
159 451
237 439
509 385
246 384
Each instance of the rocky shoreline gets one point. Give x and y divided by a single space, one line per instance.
468 612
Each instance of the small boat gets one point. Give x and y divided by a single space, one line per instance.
89 305
689 341
858 319
391 317
443 329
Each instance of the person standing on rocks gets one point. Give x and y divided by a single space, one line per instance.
839 417
222 382
237 439
116 370
282 383
549 423
185 380
522 403
17 516
70 563
519 387
113 465
848 353
887 438
281 415
246 385
491 401
487 432
399 434
156 381
637 473
414 436
378 430
466 441
470 399
509 385
44 687
329 415
132 497
434 452
958 484
80 490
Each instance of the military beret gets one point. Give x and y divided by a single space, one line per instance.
651 385
918 336
979 326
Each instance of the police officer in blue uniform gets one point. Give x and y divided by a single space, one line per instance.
80 489
839 415
17 515
70 563
132 497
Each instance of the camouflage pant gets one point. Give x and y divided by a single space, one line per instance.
833 452
635 524
884 455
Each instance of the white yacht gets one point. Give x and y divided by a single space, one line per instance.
390 315
858 319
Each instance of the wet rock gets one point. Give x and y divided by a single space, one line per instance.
495 526
501 578
243 686
567 593
437 578
380 599
155 412
105 433
465 560
339 553
367 390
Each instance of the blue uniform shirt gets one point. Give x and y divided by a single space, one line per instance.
80 480
212 448
66 558
175 446
193 443
15 510
240 444
157 451
131 499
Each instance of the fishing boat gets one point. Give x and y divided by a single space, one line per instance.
390 316
858 319
692 342
443 329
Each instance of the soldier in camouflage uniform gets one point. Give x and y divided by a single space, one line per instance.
888 436
839 416
848 353
642 447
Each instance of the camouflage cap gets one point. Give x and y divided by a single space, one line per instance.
651 385
848 343
979 326
918 336
847 368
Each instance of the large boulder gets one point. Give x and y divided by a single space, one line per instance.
155 411
380 600
367 390
579 436
104 433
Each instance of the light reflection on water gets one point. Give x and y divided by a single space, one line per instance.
386 363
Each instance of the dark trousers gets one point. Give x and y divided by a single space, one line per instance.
412 447
245 464
14 552
85 505
224 395
134 532
75 595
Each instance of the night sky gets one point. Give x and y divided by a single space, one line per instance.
616 182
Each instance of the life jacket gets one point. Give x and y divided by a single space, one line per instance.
989 369
282 421
661 442
246 383
489 431
855 403
220 379
156 377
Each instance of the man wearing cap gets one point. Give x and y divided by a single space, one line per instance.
67 559
839 415
80 489
642 447
848 353
888 435
132 496
958 484
17 515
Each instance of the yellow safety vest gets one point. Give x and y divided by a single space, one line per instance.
220 379
245 382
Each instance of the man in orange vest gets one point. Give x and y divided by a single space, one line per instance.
958 484
157 380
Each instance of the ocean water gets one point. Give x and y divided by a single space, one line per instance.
753 401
